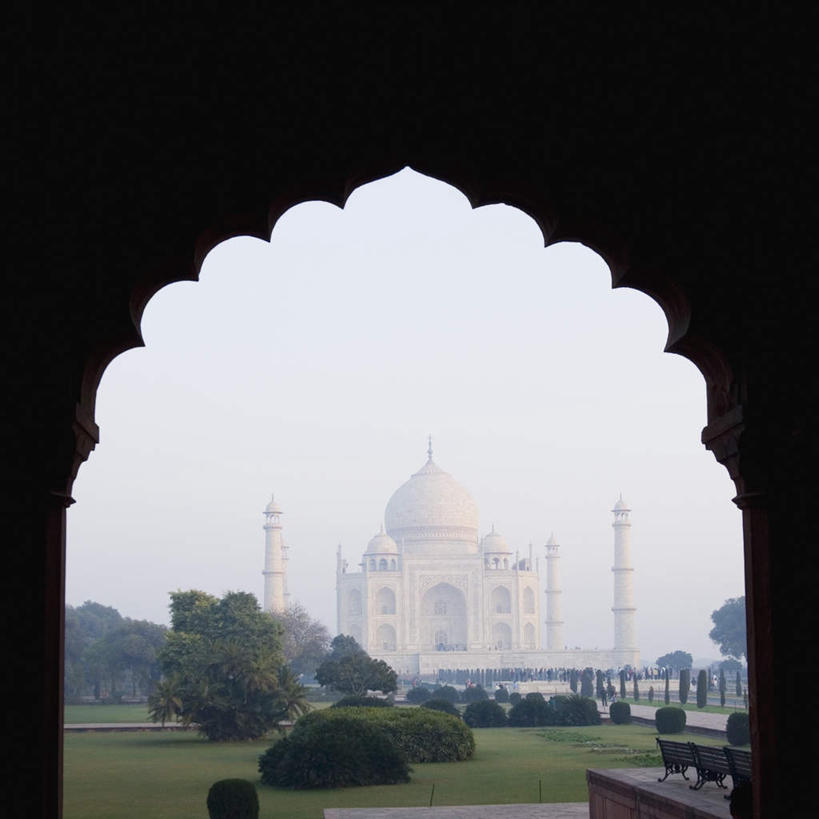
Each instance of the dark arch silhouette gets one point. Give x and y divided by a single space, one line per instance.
675 143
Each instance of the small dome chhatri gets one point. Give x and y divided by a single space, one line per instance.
273 507
382 543
621 505
495 543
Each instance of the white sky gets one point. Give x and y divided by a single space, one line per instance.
315 366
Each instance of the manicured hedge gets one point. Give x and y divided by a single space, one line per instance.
336 751
418 694
352 701
560 710
233 799
669 720
485 714
445 706
620 713
738 728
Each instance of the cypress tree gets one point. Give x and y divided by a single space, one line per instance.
573 680
685 684
739 685
651 693
702 688
667 693
636 690
722 687
622 684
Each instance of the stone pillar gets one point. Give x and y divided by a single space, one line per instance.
554 622
275 561
625 629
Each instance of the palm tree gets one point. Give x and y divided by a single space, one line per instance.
165 703
292 693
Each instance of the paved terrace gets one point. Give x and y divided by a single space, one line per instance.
562 810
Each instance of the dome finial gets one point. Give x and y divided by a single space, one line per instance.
429 447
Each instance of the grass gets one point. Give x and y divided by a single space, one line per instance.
106 713
167 775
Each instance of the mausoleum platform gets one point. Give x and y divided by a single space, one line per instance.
635 793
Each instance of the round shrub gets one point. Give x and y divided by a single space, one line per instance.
501 694
233 799
738 729
529 713
418 694
445 692
474 693
352 701
425 735
575 710
535 696
669 720
442 705
620 713
485 714
515 698
335 752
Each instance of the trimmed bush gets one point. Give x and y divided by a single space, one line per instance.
685 685
574 710
485 714
336 751
233 799
474 693
738 729
702 689
352 701
445 706
535 696
515 698
501 694
651 693
620 713
529 713
445 692
669 720
418 694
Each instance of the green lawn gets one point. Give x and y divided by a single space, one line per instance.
155 774
106 713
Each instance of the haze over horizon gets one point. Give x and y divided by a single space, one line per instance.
315 366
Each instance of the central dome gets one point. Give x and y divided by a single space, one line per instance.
432 506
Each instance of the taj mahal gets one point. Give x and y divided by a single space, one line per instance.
430 593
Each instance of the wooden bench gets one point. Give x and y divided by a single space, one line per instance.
739 764
677 757
712 765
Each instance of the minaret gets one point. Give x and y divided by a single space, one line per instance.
625 631
275 560
554 625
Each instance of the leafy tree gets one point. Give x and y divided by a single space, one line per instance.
731 664
225 656
729 627
474 693
350 670
305 641
675 660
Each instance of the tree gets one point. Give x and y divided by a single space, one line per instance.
165 703
225 658
350 670
685 684
738 684
622 684
573 680
587 683
636 690
729 627
731 664
305 642
675 660
702 688
667 695
722 687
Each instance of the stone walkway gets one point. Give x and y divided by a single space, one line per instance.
561 810
125 726
695 719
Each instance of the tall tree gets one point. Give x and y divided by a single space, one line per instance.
667 695
722 687
225 656
685 684
729 631
702 688
305 641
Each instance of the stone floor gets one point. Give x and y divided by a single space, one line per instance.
563 810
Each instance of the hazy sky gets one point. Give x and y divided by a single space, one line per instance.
315 366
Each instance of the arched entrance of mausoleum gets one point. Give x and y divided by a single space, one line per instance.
443 619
